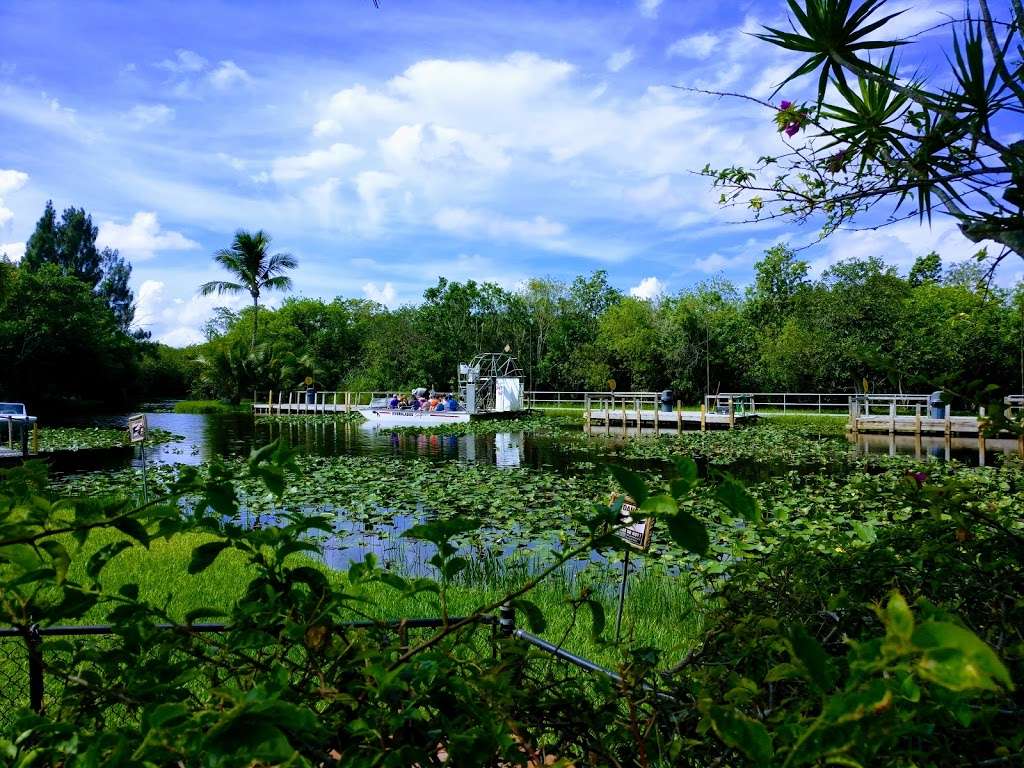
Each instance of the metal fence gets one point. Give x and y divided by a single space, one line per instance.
35 661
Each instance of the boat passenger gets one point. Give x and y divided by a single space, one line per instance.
414 402
451 403
440 405
393 402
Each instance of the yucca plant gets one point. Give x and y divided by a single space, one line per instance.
895 137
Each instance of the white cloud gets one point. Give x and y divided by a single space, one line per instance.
648 8
434 146
142 238
650 288
317 162
10 181
370 185
13 251
228 74
144 115
384 294
697 46
716 262
184 61
619 60
149 301
175 320
467 223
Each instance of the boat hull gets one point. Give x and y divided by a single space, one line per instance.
386 417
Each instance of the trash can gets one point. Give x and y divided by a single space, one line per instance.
310 395
666 401
936 407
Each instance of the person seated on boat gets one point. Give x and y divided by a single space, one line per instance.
451 403
403 402
393 402
414 403
432 402
440 404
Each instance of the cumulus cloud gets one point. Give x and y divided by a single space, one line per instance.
228 74
142 237
371 186
315 163
648 8
13 251
184 61
10 181
697 46
619 60
650 288
384 294
175 320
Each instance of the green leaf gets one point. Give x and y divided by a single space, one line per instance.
956 658
689 532
98 560
534 615
58 556
743 733
737 499
131 591
661 505
596 617
630 482
899 621
809 652
204 555
133 528
687 480
783 671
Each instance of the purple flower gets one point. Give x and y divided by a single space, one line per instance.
785 104
919 477
792 128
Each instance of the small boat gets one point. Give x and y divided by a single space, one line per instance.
407 417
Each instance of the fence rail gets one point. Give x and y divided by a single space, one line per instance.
25 683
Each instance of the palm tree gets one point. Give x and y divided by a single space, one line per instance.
255 269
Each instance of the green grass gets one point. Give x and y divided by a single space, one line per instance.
211 406
660 609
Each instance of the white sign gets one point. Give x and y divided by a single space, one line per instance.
636 533
137 428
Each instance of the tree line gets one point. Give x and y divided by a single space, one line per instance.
860 323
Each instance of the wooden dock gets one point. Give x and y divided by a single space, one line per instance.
912 425
625 422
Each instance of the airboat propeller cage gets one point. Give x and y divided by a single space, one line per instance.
491 382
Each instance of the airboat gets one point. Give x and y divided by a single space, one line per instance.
490 386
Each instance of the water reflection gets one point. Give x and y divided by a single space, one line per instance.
967 450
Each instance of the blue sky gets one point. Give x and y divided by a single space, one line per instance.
387 147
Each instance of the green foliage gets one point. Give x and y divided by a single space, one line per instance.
904 139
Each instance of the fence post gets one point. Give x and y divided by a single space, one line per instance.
24 440
506 620
679 417
892 417
704 415
639 422
732 412
783 402
34 646
586 411
947 425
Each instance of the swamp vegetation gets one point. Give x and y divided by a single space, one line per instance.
801 605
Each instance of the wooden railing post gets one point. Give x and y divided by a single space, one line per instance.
679 417
947 426
704 415
732 412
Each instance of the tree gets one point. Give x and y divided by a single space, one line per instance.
926 269
70 245
778 277
891 137
248 259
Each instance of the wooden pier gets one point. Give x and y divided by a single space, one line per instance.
631 413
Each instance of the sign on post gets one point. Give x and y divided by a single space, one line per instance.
637 534
137 428
137 434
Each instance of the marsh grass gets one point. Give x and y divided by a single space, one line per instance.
211 406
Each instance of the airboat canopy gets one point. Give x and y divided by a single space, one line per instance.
491 382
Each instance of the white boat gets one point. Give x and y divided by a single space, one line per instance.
407 417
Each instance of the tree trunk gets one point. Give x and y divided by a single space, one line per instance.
255 312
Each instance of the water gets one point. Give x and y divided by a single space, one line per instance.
205 436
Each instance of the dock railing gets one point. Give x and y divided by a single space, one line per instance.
541 398
319 401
